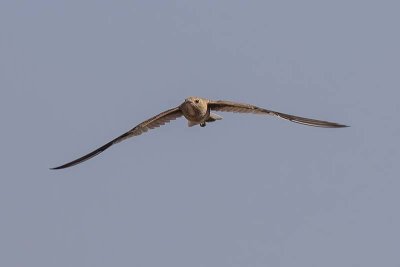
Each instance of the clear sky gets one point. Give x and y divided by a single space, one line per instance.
245 191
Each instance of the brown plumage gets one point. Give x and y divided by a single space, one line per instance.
197 111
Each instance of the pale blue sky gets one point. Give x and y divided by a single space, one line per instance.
75 74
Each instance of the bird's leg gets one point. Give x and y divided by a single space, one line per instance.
203 124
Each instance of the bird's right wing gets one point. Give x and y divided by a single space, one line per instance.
229 106
151 123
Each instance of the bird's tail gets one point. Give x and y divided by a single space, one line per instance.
214 117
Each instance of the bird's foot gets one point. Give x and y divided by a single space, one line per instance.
203 124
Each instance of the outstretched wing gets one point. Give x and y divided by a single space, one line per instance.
229 106
143 127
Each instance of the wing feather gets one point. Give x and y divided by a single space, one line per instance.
143 127
228 106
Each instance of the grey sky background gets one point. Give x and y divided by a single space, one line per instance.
246 191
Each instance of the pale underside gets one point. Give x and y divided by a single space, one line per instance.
197 111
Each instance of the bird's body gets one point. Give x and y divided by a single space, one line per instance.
197 111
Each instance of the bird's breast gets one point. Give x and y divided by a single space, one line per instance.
193 113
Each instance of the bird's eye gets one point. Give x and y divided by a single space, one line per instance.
197 101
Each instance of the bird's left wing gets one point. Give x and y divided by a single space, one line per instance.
229 106
143 127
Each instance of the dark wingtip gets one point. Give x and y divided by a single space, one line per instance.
60 167
336 126
84 158
342 126
55 168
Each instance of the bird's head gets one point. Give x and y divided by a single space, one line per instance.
195 105
196 101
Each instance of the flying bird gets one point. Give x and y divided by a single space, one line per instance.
197 111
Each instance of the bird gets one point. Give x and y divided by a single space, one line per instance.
198 111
